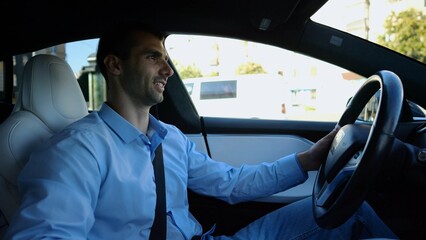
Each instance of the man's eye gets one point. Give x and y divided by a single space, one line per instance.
153 57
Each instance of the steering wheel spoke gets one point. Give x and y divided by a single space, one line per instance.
330 191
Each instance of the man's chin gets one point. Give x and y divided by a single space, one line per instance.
161 99
158 101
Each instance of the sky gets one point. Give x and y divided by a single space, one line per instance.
77 53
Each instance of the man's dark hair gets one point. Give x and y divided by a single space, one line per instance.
119 40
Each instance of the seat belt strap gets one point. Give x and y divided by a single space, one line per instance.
159 227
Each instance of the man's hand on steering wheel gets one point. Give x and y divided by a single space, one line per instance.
312 158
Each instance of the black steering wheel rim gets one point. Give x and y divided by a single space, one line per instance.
357 152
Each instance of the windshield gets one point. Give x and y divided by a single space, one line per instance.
399 25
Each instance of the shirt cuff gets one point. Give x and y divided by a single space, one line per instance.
290 172
300 166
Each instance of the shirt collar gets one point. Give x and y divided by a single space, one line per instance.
125 130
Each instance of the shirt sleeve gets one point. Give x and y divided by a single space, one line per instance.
59 192
248 182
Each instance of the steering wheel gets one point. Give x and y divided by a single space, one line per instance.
357 152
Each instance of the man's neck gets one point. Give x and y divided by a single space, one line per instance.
138 117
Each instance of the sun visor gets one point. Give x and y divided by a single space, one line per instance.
267 14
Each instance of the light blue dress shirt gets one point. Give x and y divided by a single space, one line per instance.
95 180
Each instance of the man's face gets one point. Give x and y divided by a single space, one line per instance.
146 71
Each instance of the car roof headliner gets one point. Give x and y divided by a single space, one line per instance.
35 25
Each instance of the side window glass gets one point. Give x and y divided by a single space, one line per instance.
19 62
241 79
81 56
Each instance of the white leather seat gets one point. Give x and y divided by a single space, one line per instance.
49 99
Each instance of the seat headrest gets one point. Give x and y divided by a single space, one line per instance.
50 90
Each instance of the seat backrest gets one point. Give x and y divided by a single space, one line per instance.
49 99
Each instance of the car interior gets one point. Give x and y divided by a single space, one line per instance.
50 99
384 121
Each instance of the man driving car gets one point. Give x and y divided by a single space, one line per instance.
95 178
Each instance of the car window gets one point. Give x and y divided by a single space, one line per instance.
399 25
228 78
242 79
81 56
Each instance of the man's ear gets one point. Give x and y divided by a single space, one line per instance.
112 64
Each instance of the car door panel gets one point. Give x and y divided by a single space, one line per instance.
240 149
259 141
